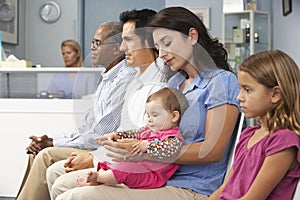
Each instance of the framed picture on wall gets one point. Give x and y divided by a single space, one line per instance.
203 14
9 21
286 7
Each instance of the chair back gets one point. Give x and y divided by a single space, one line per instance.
297 192
235 141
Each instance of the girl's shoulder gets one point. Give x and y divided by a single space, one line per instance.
282 139
286 135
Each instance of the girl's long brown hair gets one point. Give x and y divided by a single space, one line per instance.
275 68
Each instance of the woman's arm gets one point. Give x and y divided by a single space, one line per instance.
217 193
220 123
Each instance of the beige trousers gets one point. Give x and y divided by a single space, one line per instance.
34 186
59 181
104 192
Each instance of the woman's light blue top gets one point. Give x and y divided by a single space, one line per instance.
211 88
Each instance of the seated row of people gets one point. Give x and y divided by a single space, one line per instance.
266 87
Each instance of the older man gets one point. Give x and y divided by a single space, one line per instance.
102 118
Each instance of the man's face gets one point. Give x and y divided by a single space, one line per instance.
136 52
101 49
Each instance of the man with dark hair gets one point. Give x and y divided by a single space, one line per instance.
152 76
102 118
140 19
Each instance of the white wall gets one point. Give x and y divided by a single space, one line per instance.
286 30
99 11
285 34
216 9
42 41
215 12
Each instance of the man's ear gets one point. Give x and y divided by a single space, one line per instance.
193 34
276 94
116 49
175 116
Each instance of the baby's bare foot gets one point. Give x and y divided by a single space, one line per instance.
81 181
92 177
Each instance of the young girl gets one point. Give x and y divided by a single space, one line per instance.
267 157
163 109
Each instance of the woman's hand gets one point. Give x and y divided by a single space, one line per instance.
120 150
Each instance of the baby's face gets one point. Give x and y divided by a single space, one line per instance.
157 117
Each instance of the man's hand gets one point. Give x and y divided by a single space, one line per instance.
79 160
38 143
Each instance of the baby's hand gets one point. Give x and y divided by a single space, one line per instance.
109 136
140 147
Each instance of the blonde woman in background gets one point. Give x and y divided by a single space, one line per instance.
72 85
71 53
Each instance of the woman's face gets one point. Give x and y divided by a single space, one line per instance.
174 48
70 56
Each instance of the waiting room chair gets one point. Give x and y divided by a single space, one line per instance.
297 192
235 141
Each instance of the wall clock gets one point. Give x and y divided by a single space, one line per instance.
50 11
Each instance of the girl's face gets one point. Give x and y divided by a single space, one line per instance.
158 118
70 56
174 48
255 99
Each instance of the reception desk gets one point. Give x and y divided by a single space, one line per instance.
33 82
23 116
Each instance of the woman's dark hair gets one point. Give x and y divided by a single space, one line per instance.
181 19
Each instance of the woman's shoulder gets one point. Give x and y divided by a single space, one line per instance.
225 75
